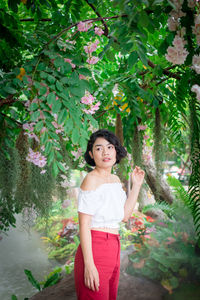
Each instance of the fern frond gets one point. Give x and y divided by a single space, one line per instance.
179 191
194 182
165 207
177 108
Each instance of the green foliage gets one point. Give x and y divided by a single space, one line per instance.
168 255
43 55
52 279
194 188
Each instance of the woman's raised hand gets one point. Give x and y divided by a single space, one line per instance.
91 278
137 176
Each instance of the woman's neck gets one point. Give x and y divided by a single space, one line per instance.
105 173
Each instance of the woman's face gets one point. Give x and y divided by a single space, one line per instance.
103 153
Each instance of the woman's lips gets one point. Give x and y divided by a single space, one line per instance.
106 159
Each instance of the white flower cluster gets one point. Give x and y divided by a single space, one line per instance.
177 54
196 89
174 19
196 28
196 63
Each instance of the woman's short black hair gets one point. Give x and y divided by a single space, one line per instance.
110 137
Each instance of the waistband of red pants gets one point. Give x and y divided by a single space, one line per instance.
103 234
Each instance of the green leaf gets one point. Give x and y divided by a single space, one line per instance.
9 90
53 135
48 147
61 166
68 125
13 297
58 62
92 120
32 280
39 126
55 169
47 115
75 135
51 79
50 157
132 59
142 56
42 90
44 137
50 126
35 115
33 106
83 143
77 91
143 19
62 116
43 75
51 98
85 72
59 86
56 106
52 280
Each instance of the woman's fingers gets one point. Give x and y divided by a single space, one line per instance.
96 283
92 284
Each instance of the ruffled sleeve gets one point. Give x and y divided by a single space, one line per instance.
88 202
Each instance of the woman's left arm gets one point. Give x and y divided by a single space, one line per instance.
137 177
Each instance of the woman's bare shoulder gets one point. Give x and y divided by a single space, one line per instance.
115 178
90 182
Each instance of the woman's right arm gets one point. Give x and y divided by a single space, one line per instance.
91 275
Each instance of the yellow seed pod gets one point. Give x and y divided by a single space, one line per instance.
140 99
115 103
144 67
22 71
123 107
20 77
107 107
118 97
128 110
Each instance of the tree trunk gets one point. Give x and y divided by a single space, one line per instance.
158 184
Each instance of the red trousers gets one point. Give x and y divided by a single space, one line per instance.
106 254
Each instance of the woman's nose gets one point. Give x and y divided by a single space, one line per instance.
105 151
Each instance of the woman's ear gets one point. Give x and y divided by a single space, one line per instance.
91 155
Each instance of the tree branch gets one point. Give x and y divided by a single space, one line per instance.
102 20
32 20
7 100
20 124
165 71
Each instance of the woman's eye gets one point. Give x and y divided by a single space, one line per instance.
110 147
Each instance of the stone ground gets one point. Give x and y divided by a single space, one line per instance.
130 287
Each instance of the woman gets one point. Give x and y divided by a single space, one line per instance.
102 204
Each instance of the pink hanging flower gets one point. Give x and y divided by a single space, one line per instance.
98 31
43 171
36 158
77 154
84 26
141 127
82 77
91 47
70 62
92 60
87 99
177 54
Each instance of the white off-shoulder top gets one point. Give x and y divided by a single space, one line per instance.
105 204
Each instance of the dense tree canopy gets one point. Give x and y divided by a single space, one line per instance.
70 66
